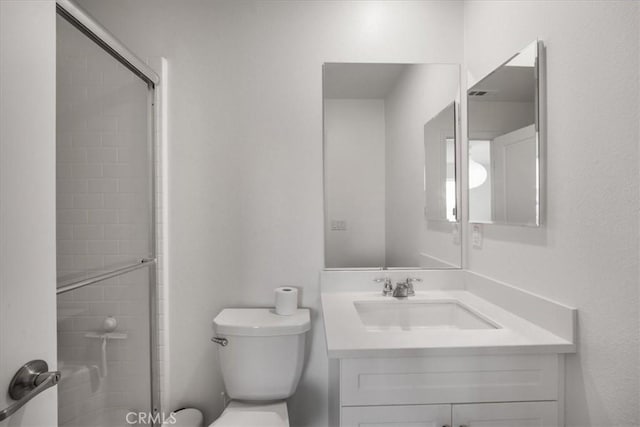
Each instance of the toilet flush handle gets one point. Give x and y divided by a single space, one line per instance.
222 341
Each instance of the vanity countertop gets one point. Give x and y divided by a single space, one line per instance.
348 337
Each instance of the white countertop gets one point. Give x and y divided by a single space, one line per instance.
347 336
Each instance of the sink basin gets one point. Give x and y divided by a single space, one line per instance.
407 315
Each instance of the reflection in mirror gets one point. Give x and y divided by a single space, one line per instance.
440 166
504 143
376 117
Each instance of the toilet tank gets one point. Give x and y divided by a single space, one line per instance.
264 355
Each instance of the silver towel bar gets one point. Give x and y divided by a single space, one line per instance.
99 278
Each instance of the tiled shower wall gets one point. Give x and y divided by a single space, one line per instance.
102 211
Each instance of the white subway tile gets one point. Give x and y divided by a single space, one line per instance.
102 123
133 247
71 186
86 170
102 155
70 154
137 186
65 262
88 201
64 231
71 247
119 201
86 139
125 231
125 155
103 186
103 247
63 139
118 261
72 216
88 262
115 293
64 171
87 232
103 216
121 170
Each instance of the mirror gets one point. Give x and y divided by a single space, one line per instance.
390 165
504 166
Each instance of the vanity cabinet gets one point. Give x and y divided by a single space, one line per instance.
497 390
512 414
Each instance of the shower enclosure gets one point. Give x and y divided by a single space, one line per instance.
106 228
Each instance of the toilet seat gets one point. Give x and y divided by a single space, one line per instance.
241 414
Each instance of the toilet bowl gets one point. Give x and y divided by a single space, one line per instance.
261 355
241 414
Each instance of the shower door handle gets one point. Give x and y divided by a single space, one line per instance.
30 380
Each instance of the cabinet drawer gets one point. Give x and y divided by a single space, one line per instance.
448 379
517 414
396 416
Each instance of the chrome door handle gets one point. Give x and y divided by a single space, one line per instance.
30 380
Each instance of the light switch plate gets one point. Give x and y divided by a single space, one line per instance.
476 236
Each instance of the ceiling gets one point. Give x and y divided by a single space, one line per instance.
507 83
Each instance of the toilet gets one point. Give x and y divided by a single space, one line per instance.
261 356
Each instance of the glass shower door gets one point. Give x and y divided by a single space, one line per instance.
105 234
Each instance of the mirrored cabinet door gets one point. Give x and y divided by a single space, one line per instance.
504 140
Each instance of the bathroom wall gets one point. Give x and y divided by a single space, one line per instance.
586 255
354 138
245 124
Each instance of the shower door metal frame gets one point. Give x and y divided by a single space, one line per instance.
88 26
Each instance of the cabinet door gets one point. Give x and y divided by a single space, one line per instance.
396 416
519 414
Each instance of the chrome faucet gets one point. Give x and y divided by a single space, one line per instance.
405 289
401 290
388 286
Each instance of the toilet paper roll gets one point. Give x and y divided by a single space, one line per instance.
286 301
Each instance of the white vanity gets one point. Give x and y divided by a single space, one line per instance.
463 351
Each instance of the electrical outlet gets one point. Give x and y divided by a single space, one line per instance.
455 234
476 236
338 225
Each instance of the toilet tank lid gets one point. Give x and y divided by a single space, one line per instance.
260 322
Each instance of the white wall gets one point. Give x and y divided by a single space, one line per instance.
421 92
354 138
586 255
245 119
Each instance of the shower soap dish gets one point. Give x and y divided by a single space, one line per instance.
106 335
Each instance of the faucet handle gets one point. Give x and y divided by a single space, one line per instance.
388 286
410 281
